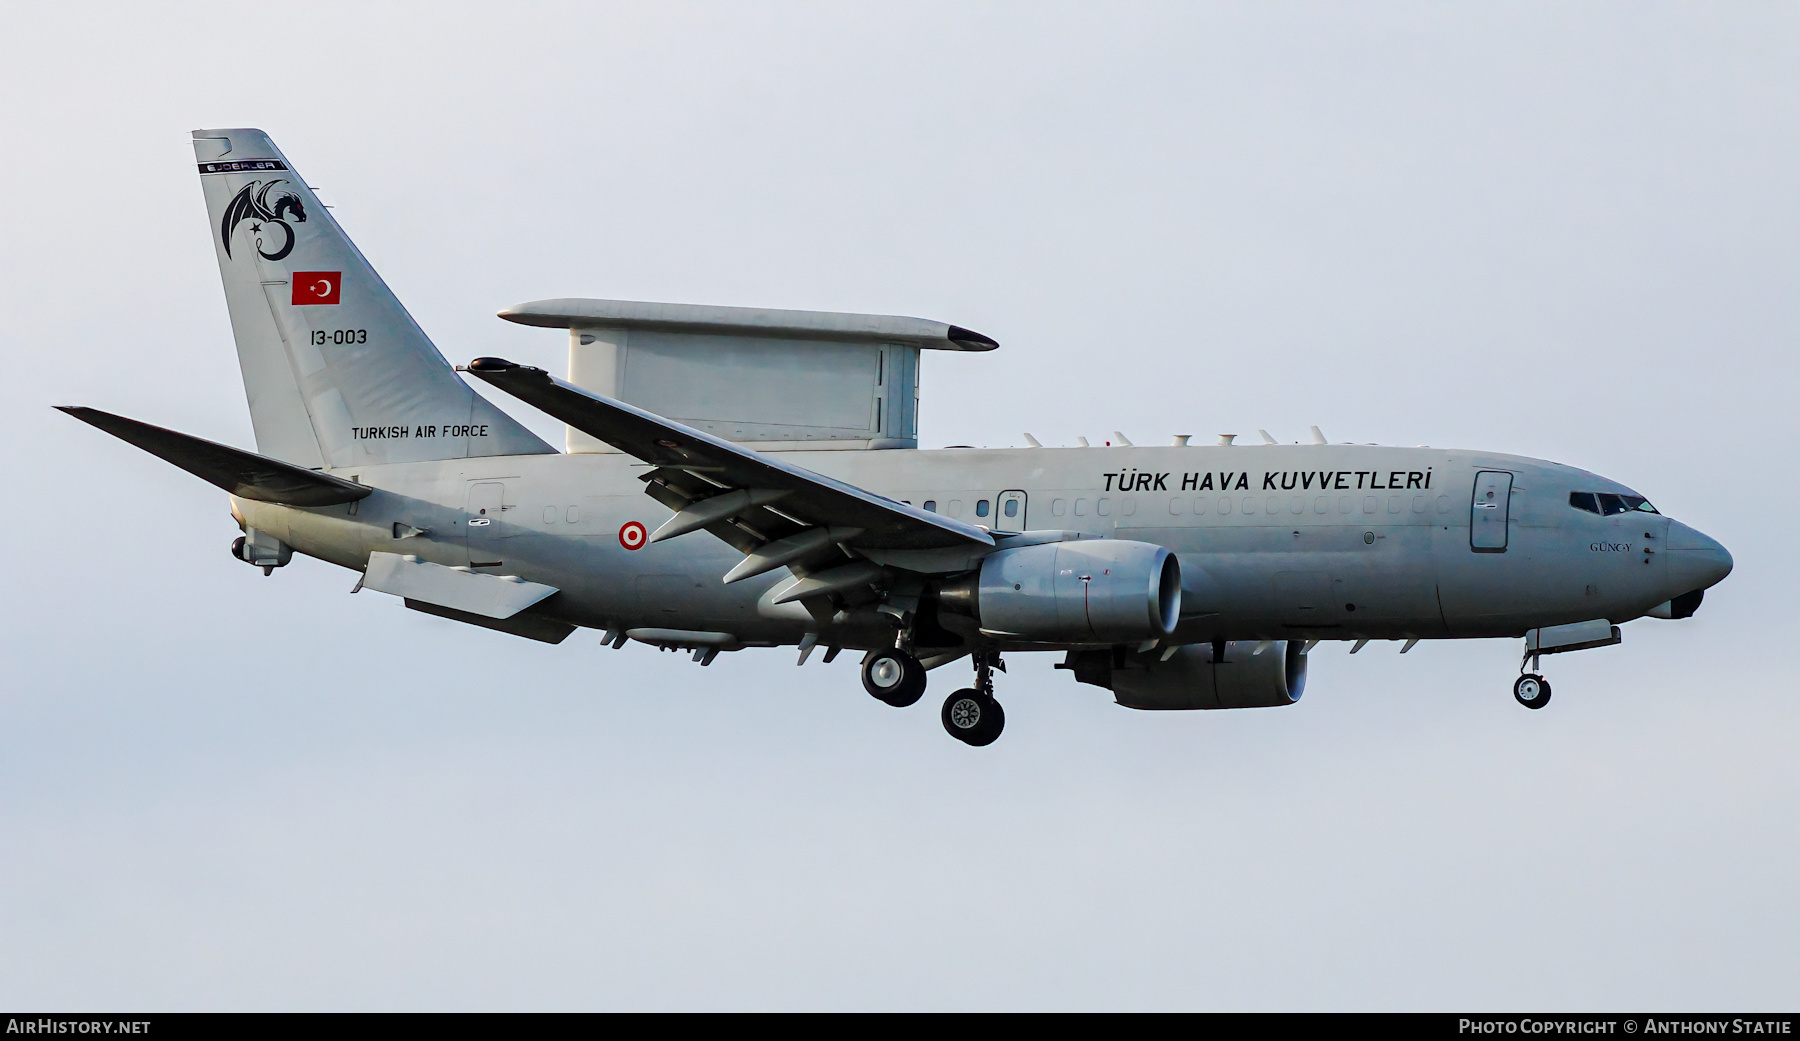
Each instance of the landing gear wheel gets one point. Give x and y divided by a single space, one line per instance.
1532 690
895 677
973 718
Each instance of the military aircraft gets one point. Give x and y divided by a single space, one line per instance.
739 478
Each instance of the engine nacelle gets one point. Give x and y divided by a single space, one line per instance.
1095 590
1190 679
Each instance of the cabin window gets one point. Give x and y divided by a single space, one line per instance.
1012 508
931 505
981 508
1103 507
1080 507
1056 507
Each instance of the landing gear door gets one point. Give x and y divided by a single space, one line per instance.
1488 511
1009 511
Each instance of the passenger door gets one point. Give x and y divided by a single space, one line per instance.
1009 511
1488 511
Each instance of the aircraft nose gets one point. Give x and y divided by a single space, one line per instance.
1696 561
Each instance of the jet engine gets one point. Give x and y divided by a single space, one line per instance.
1091 591
1191 679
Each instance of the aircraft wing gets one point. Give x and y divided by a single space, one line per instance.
745 497
244 474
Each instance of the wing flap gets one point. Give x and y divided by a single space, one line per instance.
530 626
489 596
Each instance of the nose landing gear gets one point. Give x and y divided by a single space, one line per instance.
1532 690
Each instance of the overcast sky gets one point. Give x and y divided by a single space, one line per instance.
1561 230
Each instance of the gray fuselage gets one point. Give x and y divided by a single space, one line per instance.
1274 541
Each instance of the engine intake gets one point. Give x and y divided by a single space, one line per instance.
1092 591
1191 679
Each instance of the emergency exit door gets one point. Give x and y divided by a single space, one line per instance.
1488 512
486 500
1009 511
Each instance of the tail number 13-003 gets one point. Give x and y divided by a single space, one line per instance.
320 337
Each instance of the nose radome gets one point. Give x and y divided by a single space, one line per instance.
1696 561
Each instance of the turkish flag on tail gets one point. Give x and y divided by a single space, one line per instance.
317 287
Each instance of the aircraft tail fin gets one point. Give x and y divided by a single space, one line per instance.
337 372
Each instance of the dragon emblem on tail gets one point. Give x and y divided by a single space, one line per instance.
252 203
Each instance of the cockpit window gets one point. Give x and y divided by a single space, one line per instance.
1610 505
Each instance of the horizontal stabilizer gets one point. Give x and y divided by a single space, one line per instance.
489 596
244 474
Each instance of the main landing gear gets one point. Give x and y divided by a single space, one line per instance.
970 715
894 677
